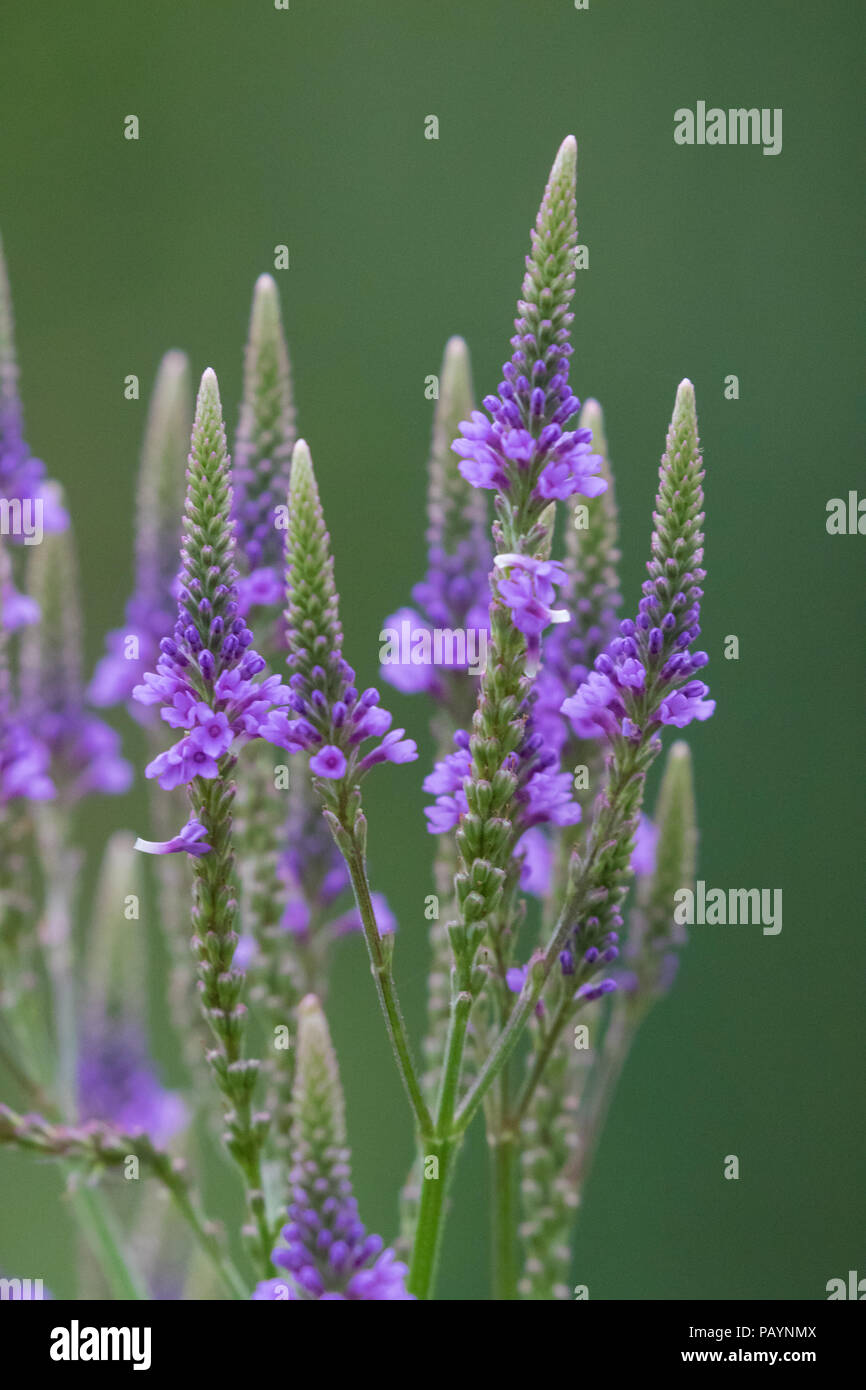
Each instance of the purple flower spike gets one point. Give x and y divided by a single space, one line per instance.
328 717
523 449
262 453
644 678
134 649
33 504
118 1084
326 1252
210 693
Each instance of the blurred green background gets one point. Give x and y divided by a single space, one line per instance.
306 127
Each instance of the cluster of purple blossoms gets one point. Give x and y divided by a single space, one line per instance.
24 764
334 731
560 462
329 1256
117 1083
528 589
208 691
611 701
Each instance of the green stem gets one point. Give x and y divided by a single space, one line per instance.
100 1230
428 1232
564 1012
225 1270
431 1213
504 1155
380 964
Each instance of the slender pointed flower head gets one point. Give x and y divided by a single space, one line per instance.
263 451
205 676
326 1253
84 751
22 477
454 595
646 678
134 649
524 449
327 716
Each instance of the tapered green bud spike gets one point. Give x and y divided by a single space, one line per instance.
318 1097
312 613
548 284
678 516
115 947
676 851
453 507
51 649
161 475
208 546
266 430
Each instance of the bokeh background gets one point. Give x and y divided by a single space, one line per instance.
306 127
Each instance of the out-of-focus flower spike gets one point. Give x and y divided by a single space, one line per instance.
653 933
592 551
161 476
51 649
320 1110
327 1253
133 649
265 437
115 962
453 510
22 477
85 752
454 595
117 1082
